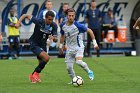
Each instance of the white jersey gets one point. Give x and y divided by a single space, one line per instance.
73 35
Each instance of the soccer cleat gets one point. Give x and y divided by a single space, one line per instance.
36 76
70 83
32 78
91 75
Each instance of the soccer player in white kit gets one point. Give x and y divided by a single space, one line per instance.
72 31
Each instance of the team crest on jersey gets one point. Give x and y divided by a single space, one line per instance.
46 29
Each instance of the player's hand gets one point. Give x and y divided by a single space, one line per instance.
50 37
17 25
61 51
96 47
49 42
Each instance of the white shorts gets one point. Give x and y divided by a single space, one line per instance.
72 54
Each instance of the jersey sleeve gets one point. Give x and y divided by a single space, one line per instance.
35 20
81 27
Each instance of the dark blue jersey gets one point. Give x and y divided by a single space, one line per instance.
93 17
42 31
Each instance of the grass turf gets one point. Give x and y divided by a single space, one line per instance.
112 75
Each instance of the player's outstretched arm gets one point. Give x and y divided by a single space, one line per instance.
93 38
62 38
18 24
137 24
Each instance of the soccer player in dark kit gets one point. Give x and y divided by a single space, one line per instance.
44 29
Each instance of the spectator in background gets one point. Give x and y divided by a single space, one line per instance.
49 7
13 37
109 23
93 17
62 17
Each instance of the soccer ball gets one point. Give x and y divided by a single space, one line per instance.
77 81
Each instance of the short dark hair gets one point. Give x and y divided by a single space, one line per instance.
48 1
93 0
65 4
49 13
70 10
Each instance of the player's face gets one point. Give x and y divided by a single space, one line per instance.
110 13
93 4
71 16
49 5
65 7
49 20
12 13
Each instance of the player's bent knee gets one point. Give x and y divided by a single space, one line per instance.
47 58
44 56
79 61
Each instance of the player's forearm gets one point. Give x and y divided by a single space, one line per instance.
61 39
12 24
91 33
92 37
23 17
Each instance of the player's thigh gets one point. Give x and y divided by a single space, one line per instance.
11 40
79 54
36 49
69 57
16 40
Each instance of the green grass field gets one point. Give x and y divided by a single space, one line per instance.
112 75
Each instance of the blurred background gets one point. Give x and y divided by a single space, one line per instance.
126 13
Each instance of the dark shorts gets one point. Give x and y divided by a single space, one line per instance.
36 49
13 39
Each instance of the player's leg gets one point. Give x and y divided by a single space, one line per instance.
43 59
116 33
69 59
106 28
38 69
81 63
17 46
11 45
